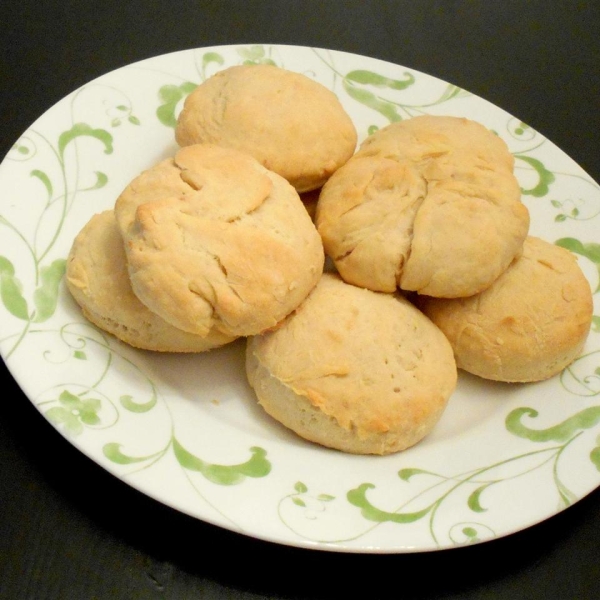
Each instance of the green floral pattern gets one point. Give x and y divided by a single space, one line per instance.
186 429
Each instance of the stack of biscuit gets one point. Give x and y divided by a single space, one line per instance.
209 246
228 239
431 206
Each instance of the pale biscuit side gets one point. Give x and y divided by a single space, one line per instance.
528 326
354 370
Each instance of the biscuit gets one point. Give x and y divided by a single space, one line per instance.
429 205
355 370
529 325
290 123
215 240
98 280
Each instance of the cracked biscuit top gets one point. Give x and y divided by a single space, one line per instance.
98 280
290 123
215 240
428 205
355 370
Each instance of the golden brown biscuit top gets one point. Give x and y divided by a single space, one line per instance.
372 361
290 123
429 204
528 324
215 239
97 278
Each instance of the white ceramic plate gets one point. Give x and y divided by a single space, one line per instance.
186 430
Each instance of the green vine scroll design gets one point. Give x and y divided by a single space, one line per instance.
580 208
256 466
576 208
471 487
565 432
58 192
46 276
544 177
171 96
475 482
425 505
522 133
582 376
380 93
75 408
373 90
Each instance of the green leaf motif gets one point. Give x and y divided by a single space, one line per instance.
131 405
369 99
255 55
11 291
474 502
591 250
20 148
44 179
358 497
256 466
369 78
562 432
84 130
406 474
452 91
45 296
355 83
298 501
113 452
210 58
255 52
596 326
101 181
325 497
545 177
80 355
595 457
170 95
300 487
566 495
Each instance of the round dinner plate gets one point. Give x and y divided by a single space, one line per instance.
187 430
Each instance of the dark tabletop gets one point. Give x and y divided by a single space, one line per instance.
68 529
